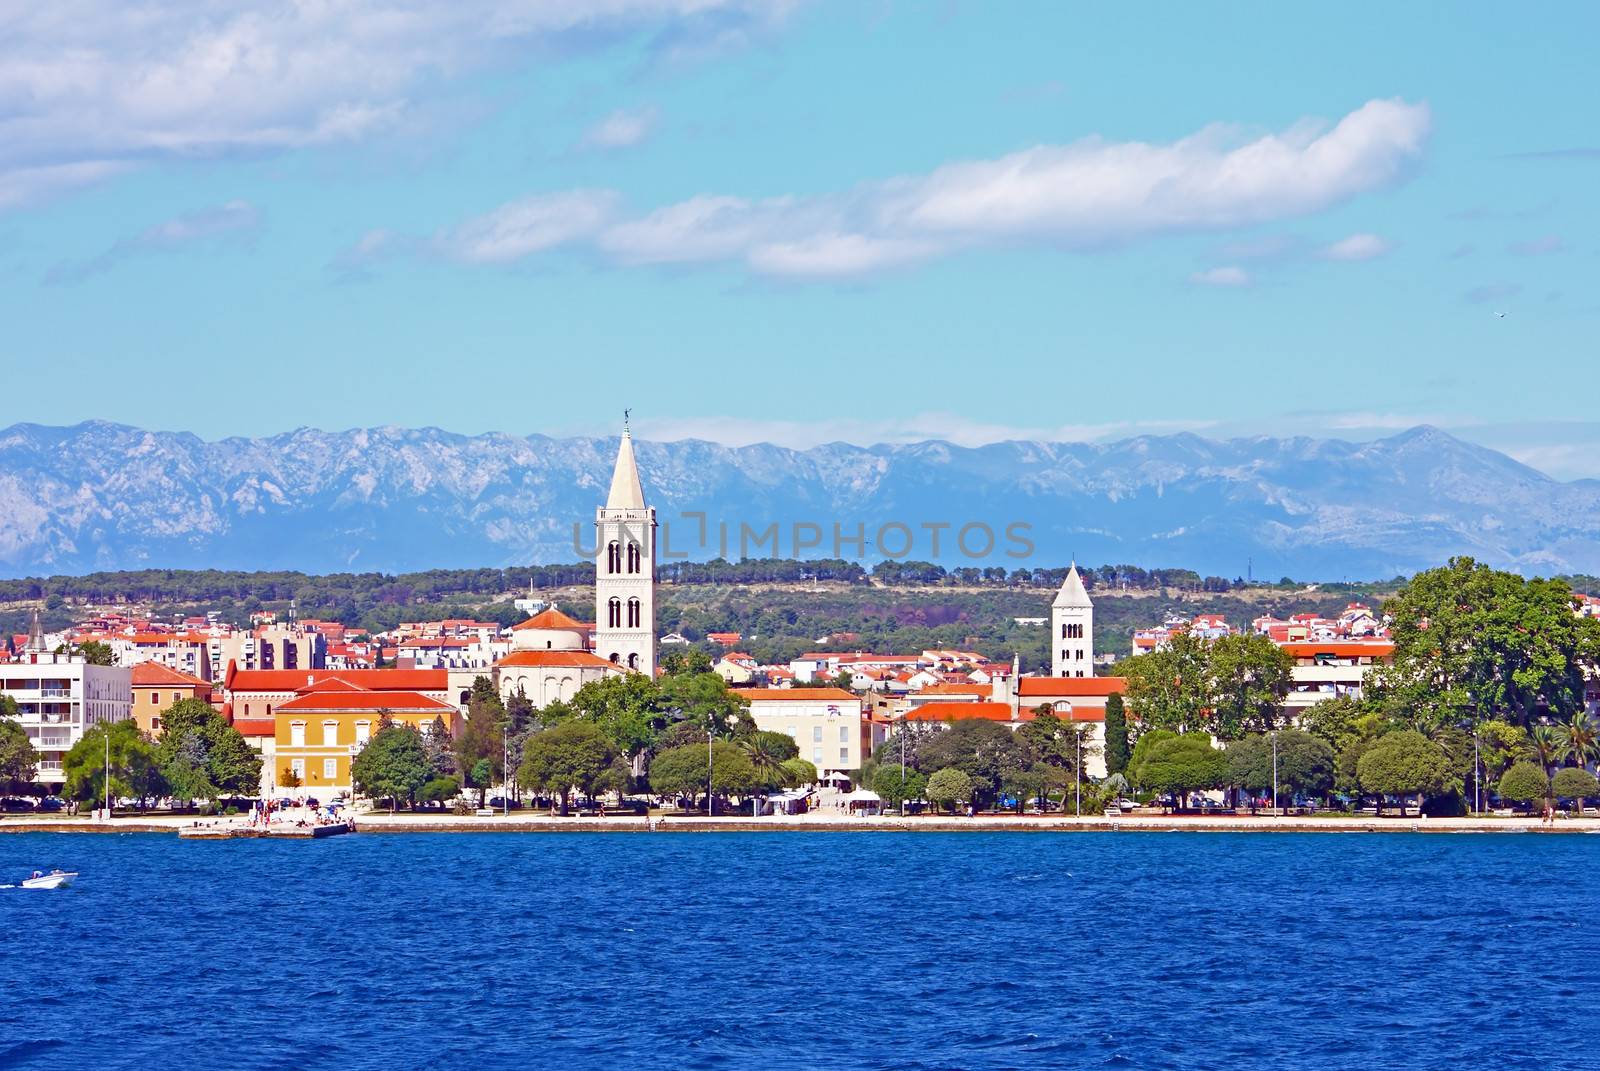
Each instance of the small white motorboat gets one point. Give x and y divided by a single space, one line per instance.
56 879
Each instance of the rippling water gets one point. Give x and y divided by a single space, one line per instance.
814 950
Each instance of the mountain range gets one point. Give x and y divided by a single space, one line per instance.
100 495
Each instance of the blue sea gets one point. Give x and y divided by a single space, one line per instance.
803 950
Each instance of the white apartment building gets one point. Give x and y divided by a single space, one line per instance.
826 723
58 697
1328 670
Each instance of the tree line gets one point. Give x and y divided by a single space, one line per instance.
1484 695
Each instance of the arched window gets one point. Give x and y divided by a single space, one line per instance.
613 557
614 613
633 613
633 661
615 658
633 556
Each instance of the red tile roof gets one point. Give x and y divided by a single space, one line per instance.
551 618
965 712
319 702
1340 649
147 674
1069 687
796 694
292 680
255 726
553 658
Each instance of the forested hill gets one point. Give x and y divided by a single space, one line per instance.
109 496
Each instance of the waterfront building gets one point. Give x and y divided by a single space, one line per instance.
256 693
1330 669
156 687
826 723
550 659
58 697
318 733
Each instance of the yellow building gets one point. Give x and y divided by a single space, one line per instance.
317 734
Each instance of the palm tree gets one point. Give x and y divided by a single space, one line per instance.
1582 740
1544 746
767 754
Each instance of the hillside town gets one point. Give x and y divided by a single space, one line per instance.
308 695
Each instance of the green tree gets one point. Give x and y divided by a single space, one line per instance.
1249 676
799 772
1524 782
439 790
1401 764
1544 746
685 661
947 787
681 771
202 757
706 700
1580 740
481 745
1184 764
1170 689
626 708
567 757
1573 783
1117 746
897 785
393 765
19 762
1473 643
96 653
1141 751
767 752
1305 764
987 752
134 771
1499 745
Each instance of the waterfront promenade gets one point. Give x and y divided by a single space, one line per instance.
824 821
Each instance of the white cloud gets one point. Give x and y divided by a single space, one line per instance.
1357 247
621 129
834 255
1077 196
97 86
1229 275
232 220
532 225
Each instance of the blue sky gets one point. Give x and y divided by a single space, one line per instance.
805 221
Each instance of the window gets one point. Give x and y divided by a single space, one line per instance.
816 755
299 768
297 736
330 733
633 556
844 756
155 697
794 732
614 614
613 557
844 734
816 734
616 659
363 731
633 660
633 613
330 768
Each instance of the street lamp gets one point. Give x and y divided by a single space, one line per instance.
902 767
1079 772
1477 780
709 812
505 771
1275 772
